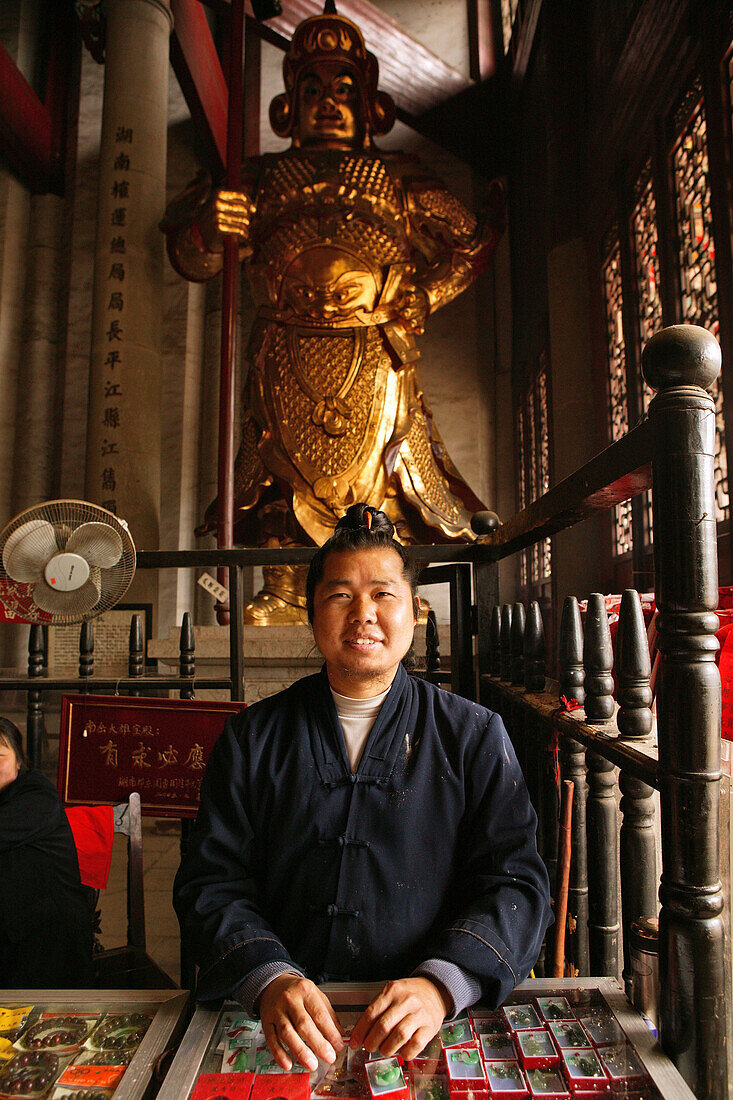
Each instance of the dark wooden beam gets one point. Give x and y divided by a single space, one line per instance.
199 72
614 475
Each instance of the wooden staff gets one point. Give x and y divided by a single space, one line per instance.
563 878
230 296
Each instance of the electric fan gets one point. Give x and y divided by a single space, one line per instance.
65 561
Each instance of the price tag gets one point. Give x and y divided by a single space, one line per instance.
7 1050
12 1018
101 1077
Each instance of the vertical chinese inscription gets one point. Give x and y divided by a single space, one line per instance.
113 376
698 281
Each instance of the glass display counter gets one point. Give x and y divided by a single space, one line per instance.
561 1039
85 1044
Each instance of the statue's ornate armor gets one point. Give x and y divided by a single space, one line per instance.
333 411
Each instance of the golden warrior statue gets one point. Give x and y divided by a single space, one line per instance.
348 250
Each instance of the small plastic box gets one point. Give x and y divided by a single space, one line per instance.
465 1069
569 1033
583 1070
623 1066
604 1030
486 1022
505 1079
497 1046
547 1083
554 1008
429 1086
457 1033
521 1017
386 1079
536 1049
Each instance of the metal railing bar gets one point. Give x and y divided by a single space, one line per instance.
54 683
250 555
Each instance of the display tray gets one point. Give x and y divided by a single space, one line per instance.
85 1044
618 1058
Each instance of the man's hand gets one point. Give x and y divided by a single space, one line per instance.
298 1020
402 1019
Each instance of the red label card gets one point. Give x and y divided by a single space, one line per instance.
223 1086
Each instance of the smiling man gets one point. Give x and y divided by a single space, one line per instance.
362 825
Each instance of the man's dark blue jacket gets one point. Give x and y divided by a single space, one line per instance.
427 851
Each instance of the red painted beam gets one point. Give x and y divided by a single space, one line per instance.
198 69
25 127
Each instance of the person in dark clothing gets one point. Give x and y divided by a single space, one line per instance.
362 825
45 923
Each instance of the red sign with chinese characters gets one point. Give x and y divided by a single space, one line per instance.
111 745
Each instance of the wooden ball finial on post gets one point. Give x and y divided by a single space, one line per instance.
681 363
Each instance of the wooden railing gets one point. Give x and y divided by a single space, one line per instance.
672 451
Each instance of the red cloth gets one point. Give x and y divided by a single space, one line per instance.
94 829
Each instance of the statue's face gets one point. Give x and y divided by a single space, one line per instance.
328 107
326 284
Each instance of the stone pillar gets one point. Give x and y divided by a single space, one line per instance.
19 32
123 436
38 427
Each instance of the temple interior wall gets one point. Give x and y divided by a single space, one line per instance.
533 299
47 271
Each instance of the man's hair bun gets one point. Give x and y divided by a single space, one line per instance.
362 527
363 517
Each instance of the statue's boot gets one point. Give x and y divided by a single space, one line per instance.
281 598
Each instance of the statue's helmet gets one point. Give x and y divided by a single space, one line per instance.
332 37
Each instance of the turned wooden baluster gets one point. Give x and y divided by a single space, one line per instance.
601 823
534 649
135 652
634 719
520 727
529 724
432 647
541 793
505 654
519 619
187 659
534 681
86 649
495 636
572 756
35 725
681 363
505 642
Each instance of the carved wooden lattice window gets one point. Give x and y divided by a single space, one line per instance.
698 282
533 445
646 260
648 297
618 405
522 502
